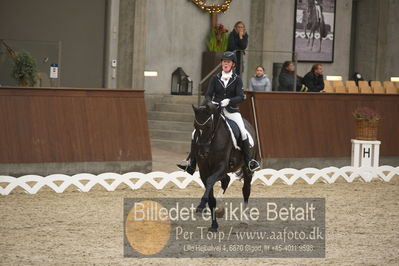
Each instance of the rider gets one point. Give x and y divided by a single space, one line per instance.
226 89
318 10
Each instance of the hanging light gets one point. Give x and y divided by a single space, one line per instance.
150 73
182 84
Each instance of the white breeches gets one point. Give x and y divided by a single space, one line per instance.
236 117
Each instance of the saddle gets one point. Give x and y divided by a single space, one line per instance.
234 129
235 133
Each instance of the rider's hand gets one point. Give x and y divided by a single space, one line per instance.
225 102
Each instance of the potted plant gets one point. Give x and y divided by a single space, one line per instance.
25 69
216 44
217 39
367 121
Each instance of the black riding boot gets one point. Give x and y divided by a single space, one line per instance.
252 164
190 167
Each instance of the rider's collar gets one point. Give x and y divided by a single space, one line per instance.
227 76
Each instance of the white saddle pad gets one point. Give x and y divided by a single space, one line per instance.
233 138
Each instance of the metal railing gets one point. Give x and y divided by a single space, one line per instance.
203 80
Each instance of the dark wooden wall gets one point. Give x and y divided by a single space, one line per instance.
295 125
72 125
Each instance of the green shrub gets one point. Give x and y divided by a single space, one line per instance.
25 70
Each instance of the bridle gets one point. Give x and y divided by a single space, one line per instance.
209 123
203 124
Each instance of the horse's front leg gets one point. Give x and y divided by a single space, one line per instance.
210 181
204 201
212 206
246 190
216 176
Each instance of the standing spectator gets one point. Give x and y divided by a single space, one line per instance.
260 82
314 79
287 77
238 40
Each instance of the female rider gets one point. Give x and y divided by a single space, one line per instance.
226 89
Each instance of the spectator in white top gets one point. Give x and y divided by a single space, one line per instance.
260 82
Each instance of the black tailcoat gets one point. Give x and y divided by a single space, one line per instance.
233 91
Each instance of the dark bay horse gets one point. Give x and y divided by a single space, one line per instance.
216 156
315 22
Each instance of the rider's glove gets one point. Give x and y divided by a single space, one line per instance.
225 102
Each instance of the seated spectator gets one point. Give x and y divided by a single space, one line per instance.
314 79
287 77
260 82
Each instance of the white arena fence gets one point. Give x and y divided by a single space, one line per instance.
135 180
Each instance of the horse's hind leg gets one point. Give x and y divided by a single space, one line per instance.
246 189
321 40
320 45
306 27
313 37
225 182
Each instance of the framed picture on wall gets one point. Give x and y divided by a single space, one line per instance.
314 30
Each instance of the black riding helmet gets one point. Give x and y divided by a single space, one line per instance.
229 56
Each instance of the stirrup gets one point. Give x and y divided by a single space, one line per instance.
184 165
256 166
187 168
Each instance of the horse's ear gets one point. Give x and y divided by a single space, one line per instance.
194 108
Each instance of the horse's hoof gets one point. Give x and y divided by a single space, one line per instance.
219 212
211 229
244 223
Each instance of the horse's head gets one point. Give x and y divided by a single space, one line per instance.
204 123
